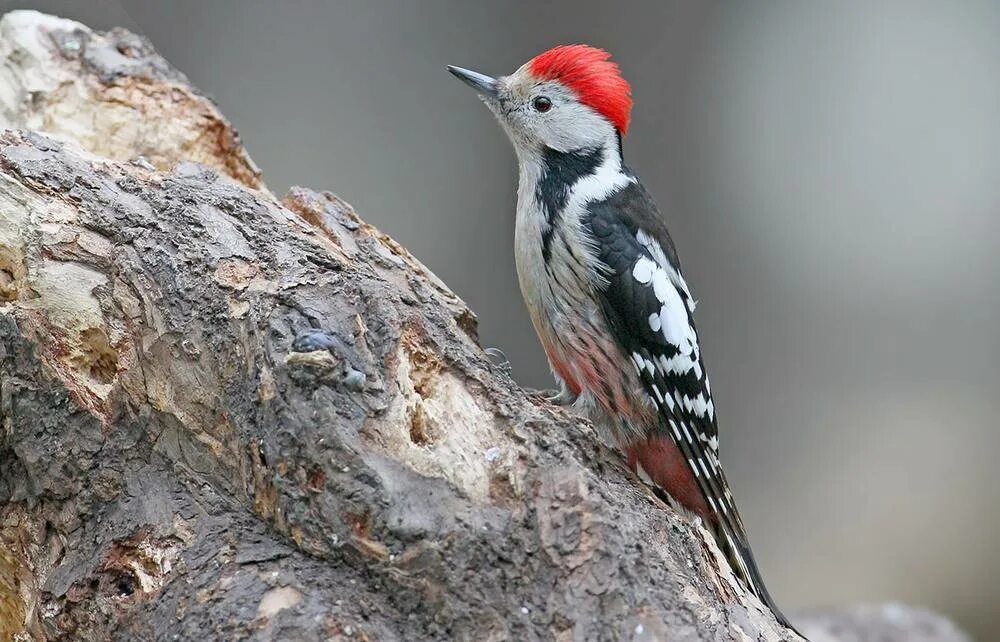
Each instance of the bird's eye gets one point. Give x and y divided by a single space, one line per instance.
542 104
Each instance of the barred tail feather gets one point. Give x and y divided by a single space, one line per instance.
663 462
742 561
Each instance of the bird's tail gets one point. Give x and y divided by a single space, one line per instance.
740 557
660 462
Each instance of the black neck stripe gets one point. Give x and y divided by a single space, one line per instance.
561 171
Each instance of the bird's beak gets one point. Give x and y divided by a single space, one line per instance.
486 86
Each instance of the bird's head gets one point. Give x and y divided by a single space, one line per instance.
568 98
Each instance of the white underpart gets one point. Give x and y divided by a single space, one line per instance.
553 309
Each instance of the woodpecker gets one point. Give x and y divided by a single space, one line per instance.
603 286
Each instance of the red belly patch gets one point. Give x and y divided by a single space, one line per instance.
561 367
595 367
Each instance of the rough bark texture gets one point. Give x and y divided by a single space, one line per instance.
171 469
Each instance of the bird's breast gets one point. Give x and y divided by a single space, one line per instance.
571 326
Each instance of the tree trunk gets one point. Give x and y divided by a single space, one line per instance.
171 468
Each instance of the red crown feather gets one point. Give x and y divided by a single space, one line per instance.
593 77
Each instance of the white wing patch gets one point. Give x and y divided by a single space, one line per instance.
643 270
673 317
673 321
656 252
668 285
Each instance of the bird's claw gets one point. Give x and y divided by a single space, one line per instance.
563 397
498 359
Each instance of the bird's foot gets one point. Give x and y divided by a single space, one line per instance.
563 397
498 360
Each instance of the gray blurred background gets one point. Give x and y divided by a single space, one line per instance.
831 175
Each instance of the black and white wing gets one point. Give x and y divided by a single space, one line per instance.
650 311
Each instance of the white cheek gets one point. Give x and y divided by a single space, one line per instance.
571 126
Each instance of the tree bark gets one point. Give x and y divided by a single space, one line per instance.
171 468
